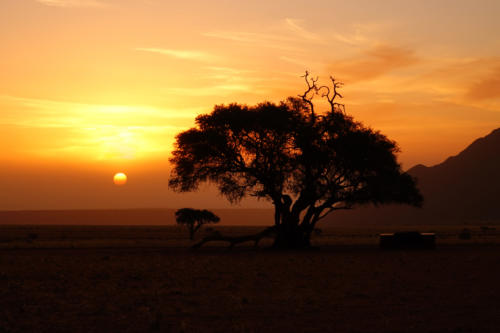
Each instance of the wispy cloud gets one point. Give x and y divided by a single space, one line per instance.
227 74
363 34
302 63
487 87
274 41
373 63
295 25
469 80
245 36
351 39
72 3
281 35
228 70
92 130
32 112
225 89
180 54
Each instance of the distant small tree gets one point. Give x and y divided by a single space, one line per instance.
193 219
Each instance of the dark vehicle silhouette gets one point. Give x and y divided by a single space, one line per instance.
407 240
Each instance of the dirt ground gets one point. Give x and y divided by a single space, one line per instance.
349 287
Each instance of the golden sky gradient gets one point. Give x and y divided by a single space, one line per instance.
92 87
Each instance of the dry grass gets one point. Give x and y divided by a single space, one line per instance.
144 279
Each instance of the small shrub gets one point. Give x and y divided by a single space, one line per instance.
193 219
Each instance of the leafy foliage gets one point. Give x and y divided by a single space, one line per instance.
193 219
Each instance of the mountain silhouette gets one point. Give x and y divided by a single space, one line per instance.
463 189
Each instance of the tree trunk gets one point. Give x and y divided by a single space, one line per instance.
290 236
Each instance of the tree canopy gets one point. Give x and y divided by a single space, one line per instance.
307 164
193 219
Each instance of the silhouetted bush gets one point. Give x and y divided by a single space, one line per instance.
193 219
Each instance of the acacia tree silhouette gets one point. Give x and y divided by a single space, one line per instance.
306 163
193 219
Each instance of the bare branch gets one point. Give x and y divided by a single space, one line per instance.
335 85
311 86
331 210
256 238
330 93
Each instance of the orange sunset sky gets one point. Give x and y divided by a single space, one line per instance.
89 88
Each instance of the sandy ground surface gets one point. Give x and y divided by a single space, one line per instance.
352 286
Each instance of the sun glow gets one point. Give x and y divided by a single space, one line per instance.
120 179
93 131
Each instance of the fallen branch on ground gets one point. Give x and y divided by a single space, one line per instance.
217 236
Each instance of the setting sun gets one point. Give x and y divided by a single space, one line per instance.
120 178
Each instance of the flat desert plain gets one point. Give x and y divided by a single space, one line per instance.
146 279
